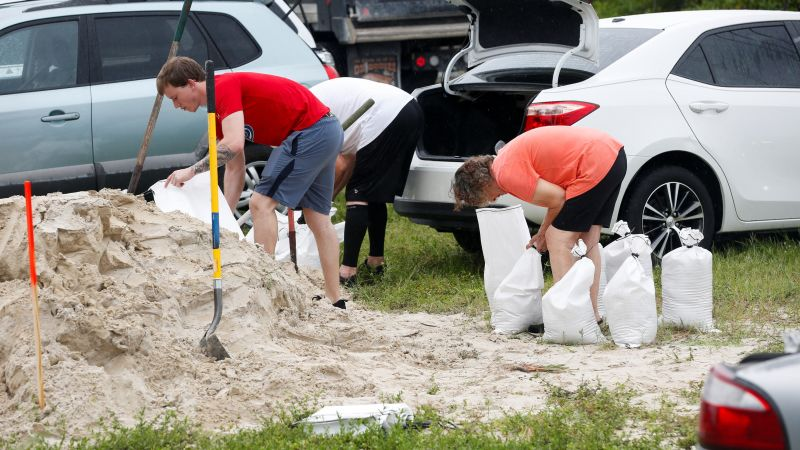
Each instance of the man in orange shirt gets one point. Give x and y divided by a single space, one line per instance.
574 172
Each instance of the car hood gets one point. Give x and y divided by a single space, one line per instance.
501 27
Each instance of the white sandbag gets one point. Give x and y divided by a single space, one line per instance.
504 235
686 283
601 288
307 253
194 199
618 251
630 299
567 307
517 301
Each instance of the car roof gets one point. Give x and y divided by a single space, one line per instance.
696 18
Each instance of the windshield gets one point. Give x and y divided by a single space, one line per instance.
538 67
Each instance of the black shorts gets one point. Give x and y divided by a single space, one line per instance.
595 206
382 166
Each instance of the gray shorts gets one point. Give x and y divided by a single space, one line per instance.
300 172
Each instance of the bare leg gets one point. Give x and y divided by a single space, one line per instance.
265 223
559 245
328 248
591 238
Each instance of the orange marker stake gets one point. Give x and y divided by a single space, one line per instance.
34 294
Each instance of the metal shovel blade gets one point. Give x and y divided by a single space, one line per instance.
212 347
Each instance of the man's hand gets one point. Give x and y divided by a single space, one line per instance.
538 242
179 177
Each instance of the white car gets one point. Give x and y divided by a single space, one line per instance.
706 104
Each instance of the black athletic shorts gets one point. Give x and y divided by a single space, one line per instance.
595 206
382 166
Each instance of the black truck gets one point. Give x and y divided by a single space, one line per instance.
407 43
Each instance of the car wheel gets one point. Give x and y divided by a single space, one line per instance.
252 175
667 199
468 240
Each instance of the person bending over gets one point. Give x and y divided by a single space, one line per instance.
272 111
374 161
574 172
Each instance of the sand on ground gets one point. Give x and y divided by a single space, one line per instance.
125 294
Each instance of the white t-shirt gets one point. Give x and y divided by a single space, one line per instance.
345 95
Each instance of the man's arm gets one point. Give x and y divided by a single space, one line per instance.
230 151
552 197
345 165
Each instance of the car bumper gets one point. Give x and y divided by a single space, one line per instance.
438 215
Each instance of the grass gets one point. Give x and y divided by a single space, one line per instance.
590 417
756 295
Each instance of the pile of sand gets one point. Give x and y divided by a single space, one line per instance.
126 293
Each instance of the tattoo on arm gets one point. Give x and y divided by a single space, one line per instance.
224 154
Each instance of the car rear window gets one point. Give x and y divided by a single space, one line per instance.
235 43
536 68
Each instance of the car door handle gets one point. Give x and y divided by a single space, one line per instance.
62 116
701 107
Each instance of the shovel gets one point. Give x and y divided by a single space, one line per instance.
292 236
210 344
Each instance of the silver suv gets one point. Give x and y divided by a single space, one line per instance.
77 84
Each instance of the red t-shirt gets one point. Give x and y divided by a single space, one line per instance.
273 106
574 158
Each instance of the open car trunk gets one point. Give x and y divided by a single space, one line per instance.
457 128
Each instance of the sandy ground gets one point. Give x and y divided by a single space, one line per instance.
126 293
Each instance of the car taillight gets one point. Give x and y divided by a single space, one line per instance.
556 113
734 416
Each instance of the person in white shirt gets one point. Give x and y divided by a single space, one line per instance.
373 163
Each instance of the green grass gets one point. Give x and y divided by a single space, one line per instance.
590 417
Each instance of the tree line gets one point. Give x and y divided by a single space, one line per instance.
613 8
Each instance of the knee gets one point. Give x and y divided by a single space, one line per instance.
260 204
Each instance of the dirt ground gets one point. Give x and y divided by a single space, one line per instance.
126 293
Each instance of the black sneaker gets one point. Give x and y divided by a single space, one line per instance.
341 304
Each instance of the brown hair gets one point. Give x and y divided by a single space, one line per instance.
177 72
470 181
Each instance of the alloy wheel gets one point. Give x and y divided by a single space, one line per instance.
670 207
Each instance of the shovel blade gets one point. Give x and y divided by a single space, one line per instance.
212 347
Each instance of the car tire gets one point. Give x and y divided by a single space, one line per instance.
468 240
668 196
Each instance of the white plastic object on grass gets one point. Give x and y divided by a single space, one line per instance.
617 251
567 306
504 235
355 419
686 283
517 302
194 199
630 300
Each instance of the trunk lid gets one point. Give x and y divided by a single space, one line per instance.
502 27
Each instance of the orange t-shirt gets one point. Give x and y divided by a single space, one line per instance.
574 158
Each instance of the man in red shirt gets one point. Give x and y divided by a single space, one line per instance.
574 172
272 111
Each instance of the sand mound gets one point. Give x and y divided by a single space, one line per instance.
126 293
